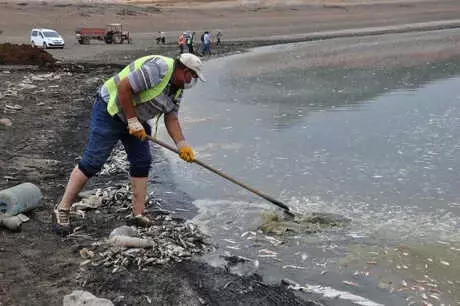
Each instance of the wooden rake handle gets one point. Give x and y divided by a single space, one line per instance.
226 176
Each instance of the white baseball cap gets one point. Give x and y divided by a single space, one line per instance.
192 62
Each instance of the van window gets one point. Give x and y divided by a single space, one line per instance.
34 33
41 35
50 34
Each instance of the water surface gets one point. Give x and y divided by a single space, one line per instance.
379 145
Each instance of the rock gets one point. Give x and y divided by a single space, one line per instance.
80 298
131 242
6 122
123 230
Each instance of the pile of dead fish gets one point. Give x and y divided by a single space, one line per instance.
116 163
168 239
118 196
135 247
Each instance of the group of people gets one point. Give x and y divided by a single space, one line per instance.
161 38
186 40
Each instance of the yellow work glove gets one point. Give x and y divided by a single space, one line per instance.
185 151
135 128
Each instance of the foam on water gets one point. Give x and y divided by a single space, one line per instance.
390 222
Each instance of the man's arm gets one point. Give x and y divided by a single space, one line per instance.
173 126
125 96
175 131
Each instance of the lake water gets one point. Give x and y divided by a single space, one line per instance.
378 145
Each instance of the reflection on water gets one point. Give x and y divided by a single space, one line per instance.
389 163
296 92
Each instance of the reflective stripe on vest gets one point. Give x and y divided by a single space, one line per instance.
113 106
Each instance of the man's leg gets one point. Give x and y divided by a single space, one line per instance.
140 161
104 134
77 182
139 186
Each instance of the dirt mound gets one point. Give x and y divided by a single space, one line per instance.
12 54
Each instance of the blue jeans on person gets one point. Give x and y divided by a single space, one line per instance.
206 49
105 131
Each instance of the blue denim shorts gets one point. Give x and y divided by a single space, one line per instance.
105 131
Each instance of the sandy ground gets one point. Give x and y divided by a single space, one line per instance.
253 22
38 268
248 20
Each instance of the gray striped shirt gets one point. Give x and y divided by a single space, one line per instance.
148 76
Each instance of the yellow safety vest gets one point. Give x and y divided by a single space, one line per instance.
111 85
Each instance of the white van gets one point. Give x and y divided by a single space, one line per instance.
46 38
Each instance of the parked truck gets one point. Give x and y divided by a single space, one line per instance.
112 34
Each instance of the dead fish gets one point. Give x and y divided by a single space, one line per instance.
85 253
273 240
371 262
268 252
14 107
445 263
350 283
149 300
173 240
232 247
293 267
433 296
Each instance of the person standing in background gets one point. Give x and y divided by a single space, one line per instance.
189 41
206 49
161 38
181 42
219 38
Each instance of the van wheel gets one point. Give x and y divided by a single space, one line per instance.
33 44
44 45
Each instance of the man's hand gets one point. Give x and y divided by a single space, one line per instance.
136 128
185 151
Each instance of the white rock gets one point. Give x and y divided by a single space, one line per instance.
80 298
6 121
132 242
123 230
